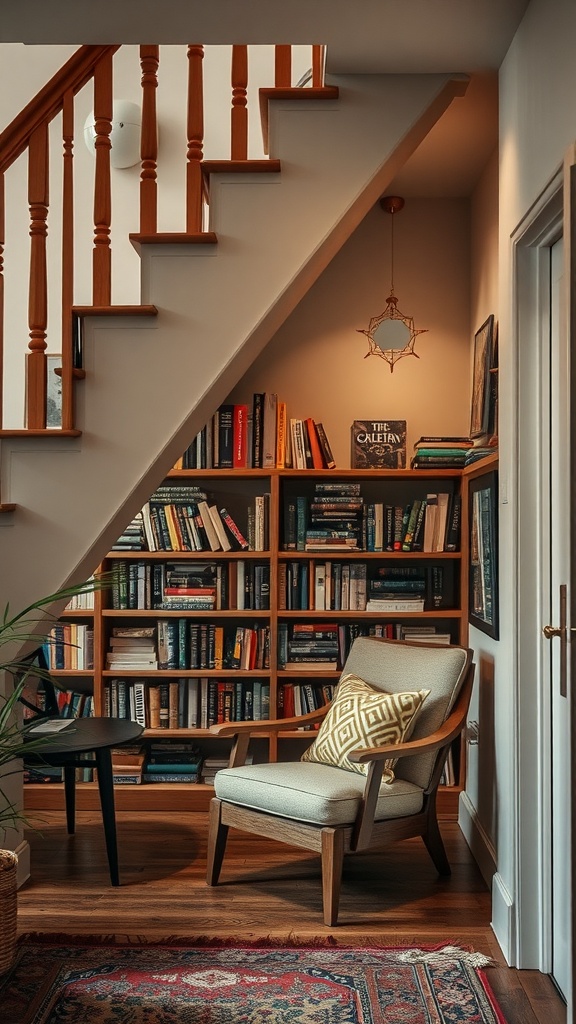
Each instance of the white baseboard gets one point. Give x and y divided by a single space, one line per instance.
485 856
503 920
480 844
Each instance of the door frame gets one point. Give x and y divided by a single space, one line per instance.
531 241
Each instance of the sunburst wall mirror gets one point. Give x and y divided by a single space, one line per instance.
392 334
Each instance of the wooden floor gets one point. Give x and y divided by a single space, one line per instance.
266 890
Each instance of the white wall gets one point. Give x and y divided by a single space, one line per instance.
537 122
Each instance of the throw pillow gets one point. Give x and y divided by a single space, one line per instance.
362 716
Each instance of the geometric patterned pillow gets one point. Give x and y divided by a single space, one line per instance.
362 716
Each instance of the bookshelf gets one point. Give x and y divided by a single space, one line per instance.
271 615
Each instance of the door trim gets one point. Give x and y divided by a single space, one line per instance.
532 710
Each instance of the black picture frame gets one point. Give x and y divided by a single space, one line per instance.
480 402
483 605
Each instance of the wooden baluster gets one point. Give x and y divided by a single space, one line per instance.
38 290
282 67
318 66
149 61
67 259
195 131
101 255
239 119
2 240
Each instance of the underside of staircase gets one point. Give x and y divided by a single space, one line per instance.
210 303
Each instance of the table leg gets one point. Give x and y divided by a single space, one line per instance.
70 797
106 789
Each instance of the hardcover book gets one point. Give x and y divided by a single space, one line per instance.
378 444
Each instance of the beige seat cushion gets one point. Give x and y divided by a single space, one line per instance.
311 792
364 716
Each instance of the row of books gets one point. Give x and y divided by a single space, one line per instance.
347 586
165 762
191 586
258 436
71 704
187 703
343 521
292 658
179 643
181 517
157 762
70 646
301 698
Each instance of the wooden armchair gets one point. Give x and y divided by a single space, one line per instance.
336 810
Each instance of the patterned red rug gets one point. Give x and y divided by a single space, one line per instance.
82 980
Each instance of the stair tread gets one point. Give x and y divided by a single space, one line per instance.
119 310
265 166
39 432
174 238
7 506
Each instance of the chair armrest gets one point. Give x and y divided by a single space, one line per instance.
375 757
268 724
242 731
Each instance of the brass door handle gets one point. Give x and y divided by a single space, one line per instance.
550 631
561 631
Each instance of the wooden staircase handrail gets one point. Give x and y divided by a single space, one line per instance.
29 133
48 102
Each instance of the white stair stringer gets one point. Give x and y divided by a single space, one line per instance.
151 384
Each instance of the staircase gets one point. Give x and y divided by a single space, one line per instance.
212 297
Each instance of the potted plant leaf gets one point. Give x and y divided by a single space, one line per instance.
23 632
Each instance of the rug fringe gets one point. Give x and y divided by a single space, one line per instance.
444 954
406 951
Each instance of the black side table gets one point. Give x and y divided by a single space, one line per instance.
95 736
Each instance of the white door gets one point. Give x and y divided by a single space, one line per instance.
559 533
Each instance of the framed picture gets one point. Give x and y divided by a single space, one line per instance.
480 411
483 568
53 391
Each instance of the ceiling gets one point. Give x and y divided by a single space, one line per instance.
373 36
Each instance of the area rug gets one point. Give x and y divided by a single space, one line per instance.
61 982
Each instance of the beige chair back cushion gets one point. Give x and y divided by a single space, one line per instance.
395 667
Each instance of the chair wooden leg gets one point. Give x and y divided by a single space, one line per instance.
332 863
435 844
217 837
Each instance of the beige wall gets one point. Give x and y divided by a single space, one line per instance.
316 361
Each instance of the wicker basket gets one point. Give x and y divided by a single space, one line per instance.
8 906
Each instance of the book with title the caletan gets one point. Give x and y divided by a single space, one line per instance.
378 444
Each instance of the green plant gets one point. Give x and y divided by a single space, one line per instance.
18 632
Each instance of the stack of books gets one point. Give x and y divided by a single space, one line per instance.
422 635
397 590
331 521
480 451
132 539
132 647
128 765
212 765
440 452
172 762
312 647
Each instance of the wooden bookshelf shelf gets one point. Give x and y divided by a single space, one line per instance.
269 627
